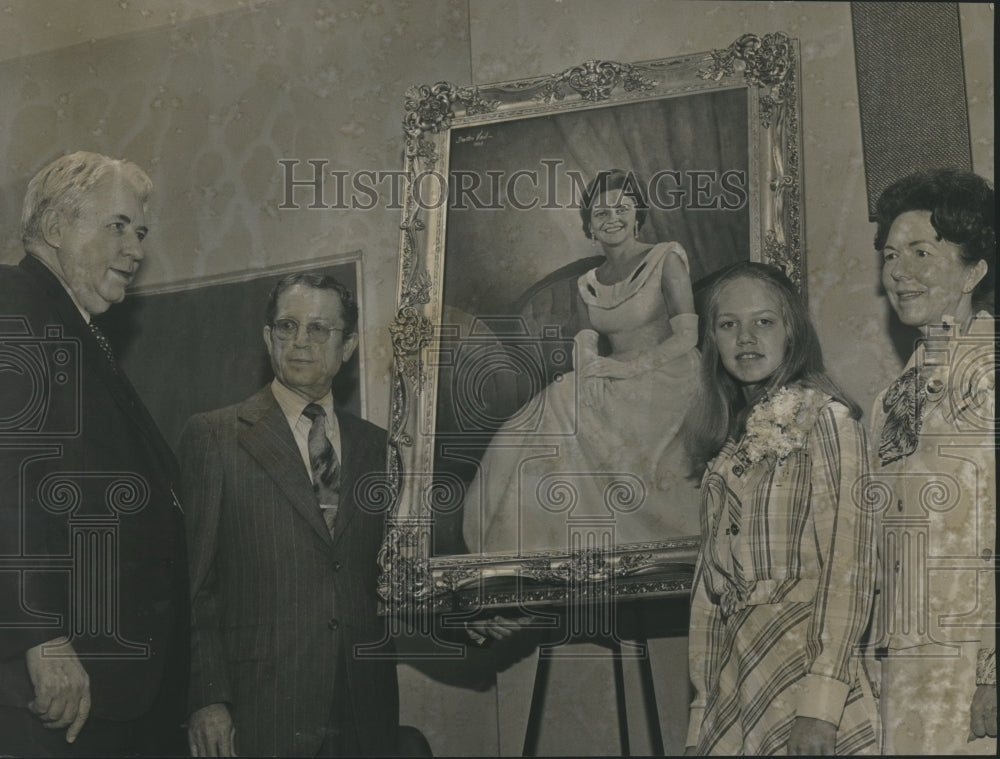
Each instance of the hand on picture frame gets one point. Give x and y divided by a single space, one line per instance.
496 627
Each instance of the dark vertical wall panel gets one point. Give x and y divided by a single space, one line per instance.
911 89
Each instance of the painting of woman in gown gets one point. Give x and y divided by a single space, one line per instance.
606 444
605 465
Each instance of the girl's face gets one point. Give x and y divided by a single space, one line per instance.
612 218
749 331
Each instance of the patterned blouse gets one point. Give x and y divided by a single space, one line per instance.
793 530
934 469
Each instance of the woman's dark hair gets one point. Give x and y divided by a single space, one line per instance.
720 410
608 181
962 211
349 307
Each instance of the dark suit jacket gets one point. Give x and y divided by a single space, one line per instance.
275 600
70 429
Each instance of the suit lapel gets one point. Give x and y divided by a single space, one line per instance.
266 436
131 404
94 361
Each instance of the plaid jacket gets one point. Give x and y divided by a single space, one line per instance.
787 531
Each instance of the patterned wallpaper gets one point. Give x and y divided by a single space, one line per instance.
36 26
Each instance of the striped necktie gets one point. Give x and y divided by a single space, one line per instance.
325 467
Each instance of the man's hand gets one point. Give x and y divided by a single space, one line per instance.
211 732
62 687
497 627
983 713
812 737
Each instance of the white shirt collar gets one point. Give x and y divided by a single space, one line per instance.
83 312
292 404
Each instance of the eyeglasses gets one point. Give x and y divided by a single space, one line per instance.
316 332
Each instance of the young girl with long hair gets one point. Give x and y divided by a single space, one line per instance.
785 575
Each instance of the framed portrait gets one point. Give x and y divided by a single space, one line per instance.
494 500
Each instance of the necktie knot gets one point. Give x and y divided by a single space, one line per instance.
314 411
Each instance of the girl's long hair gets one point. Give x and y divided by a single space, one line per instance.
720 410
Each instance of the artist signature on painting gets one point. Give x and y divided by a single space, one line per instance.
477 138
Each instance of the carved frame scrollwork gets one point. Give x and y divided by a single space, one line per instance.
768 68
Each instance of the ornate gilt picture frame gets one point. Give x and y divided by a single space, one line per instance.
491 213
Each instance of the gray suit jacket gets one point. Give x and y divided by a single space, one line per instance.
275 601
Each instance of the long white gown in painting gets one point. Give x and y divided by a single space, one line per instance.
596 458
602 441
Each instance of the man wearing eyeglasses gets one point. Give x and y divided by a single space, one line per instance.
283 551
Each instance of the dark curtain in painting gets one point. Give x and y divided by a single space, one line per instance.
510 303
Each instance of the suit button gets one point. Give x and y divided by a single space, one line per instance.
735 528
333 624
738 470
337 566
987 554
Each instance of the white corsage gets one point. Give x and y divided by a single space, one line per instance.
779 424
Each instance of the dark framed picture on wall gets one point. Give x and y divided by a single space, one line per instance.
514 190
217 324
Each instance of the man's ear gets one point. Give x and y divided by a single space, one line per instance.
350 345
267 338
52 228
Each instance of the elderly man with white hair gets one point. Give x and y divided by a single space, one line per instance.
93 581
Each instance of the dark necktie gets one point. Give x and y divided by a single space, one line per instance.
102 341
325 467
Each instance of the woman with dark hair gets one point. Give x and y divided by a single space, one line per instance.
785 576
602 463
935 457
